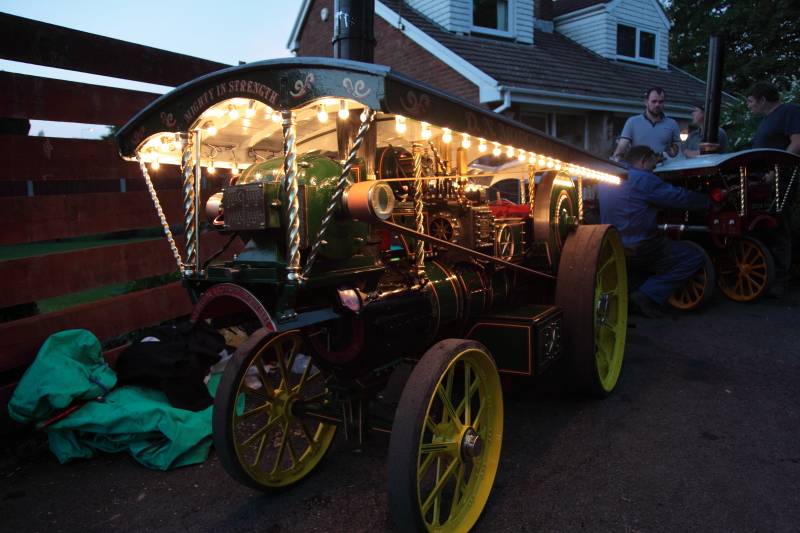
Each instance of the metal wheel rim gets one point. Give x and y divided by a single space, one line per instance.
282 432
744 273
691 294
460 485
611 311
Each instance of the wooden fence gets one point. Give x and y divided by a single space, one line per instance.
56 190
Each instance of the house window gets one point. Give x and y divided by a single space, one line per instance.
635 43
491 15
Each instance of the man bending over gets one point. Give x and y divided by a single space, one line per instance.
633 207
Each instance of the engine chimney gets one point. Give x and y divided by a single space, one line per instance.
353 30
716 60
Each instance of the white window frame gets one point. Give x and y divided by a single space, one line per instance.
512 8
638 58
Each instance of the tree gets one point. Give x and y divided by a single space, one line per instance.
762 42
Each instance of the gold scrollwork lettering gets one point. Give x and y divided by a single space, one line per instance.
415 105
303 87
357 89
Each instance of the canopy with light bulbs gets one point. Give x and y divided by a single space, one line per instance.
238 113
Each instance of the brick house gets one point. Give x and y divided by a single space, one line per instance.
576 69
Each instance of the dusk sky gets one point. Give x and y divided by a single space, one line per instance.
229 31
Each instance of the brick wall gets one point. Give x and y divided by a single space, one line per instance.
393 49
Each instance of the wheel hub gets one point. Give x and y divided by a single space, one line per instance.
471 444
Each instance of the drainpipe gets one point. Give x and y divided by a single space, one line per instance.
506 99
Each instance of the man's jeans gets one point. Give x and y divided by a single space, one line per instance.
669 264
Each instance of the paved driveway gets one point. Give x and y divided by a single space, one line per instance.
702 434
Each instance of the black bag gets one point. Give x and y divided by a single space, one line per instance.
177 364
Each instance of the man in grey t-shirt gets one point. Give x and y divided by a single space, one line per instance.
652 128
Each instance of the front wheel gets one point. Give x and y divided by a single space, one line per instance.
745 270
263 433
445 443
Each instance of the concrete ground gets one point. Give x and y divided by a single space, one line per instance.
702 434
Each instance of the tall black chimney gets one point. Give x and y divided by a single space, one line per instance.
353 29
716 60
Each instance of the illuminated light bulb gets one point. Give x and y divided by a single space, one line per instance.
426 131
540 162
343 112
211 168
363 116
496 150
482 145
233 113
400 124
521 156
322 114
235 170
557 164
211 129
509 151
268 113
276 116
154 164
465 142
251 109
549 163
447 135
532 158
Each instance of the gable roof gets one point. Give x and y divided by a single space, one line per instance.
555 66
553 71
560 7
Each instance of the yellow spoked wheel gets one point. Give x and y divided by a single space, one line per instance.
263 432
445 443
592 291
745 270
700 287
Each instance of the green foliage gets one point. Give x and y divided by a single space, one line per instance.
762 41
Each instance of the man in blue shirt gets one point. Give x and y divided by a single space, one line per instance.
691 148
632 207
652 128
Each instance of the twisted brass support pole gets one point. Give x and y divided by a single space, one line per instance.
341 185
580 199
189 219
531 190
161 217
291 203
419 245
742 190
788 190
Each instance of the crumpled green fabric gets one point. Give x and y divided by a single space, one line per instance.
68 367
130 418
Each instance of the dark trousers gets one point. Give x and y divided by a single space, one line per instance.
665 263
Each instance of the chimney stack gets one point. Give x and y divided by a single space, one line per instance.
716 60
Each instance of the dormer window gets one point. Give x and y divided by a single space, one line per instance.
492 17
635 44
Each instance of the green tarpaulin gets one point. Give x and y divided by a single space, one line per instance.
138 420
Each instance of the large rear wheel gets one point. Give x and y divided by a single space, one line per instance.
445 443
260 434
592 291
745 270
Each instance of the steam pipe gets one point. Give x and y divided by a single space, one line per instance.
353 30
716 59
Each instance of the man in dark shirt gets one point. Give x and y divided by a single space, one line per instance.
632 207
780 127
